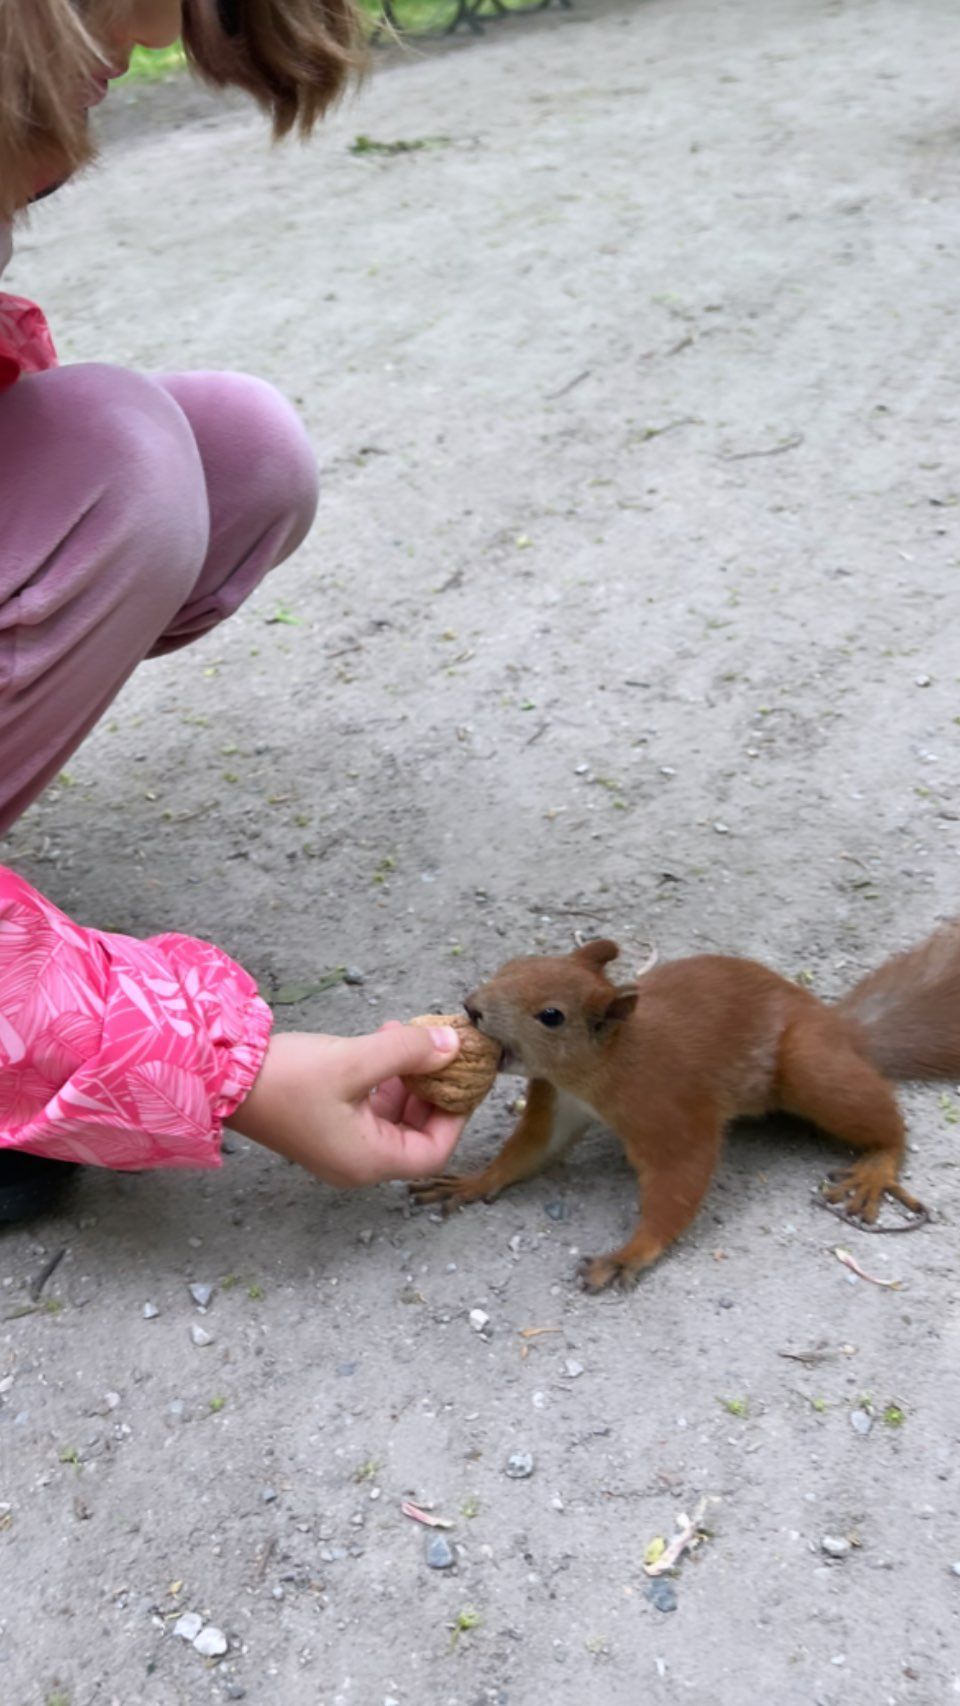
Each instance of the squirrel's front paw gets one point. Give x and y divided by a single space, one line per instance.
597 1273
447 1191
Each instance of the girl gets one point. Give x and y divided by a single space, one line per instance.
135 514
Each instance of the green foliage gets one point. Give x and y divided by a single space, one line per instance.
148 66
735 1406
414 18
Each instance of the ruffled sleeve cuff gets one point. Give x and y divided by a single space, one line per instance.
116 1052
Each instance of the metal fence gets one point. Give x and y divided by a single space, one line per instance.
445 17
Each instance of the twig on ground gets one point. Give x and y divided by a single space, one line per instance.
689 1536
46 1272
851 1262
791 443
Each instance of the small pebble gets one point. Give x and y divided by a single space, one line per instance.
519 1465
200 1336
346 1368
111 1400
188 1626
573 1369
278 1592
662 1594
211 1643
955 1568
150 1312
725 1302
439 1553
235 1691
201 1295
581 769
479 1319
352 975
719 829
268 1495
835 1546
923 680
365 1237
861 1421
556 1210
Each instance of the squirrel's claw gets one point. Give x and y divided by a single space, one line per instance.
857 1196
447 1191
598 1273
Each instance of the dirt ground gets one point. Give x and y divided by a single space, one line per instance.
631 608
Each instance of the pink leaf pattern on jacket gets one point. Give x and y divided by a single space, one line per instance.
116 1052
26 345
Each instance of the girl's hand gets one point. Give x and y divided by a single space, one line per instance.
337 1106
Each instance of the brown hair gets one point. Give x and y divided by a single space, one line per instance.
46 56
295 57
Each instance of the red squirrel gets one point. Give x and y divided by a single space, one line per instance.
668 1061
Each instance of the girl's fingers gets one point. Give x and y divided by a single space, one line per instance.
388 1100
392 1051
417 1153
393 1102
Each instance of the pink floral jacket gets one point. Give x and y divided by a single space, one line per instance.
117 1052
26 345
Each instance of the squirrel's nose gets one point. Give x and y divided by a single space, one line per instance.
472 1011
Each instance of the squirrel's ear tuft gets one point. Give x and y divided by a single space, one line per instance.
596 954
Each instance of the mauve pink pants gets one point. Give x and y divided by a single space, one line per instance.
135 514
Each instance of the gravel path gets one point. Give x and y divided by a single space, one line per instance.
631 608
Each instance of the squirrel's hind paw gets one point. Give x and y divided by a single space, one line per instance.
857 1196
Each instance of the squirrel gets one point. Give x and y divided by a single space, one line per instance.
669 1060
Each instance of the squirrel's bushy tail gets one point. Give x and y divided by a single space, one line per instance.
909 1010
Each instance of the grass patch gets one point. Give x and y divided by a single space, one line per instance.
152 66
367 145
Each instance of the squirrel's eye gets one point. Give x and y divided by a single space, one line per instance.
551 1017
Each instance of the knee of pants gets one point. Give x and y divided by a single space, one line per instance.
259 464
125 492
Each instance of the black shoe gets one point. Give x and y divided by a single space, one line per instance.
30 1184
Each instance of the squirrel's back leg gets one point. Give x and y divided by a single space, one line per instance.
549 1124
675 1166
822 1078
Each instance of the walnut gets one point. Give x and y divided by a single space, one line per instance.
461 1085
